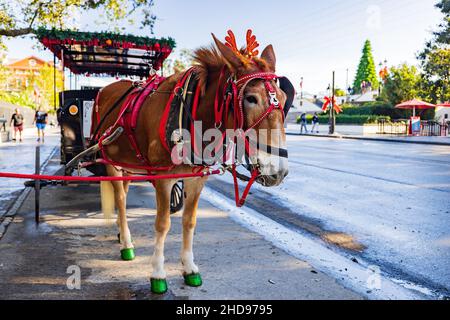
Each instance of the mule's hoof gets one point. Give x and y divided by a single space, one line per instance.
193 279
158 286
127 254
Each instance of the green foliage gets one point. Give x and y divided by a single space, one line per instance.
180 63
44 82
21 17
339 92
401 84
443 35
366 69
435 85
435 60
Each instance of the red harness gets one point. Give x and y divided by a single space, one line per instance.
232 94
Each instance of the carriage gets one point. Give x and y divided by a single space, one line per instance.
102 55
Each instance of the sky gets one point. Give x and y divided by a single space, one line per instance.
310 38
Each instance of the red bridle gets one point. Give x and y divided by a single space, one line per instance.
233 90
237 94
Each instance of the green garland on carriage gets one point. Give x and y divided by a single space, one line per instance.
105 38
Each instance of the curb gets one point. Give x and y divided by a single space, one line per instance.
8 217
369 139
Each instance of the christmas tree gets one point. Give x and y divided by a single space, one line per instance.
366 76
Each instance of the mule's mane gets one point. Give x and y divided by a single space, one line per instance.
209 60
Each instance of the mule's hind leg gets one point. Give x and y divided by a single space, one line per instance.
162 226
192 189
126 186
120 196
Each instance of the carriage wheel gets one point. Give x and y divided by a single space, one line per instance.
176 197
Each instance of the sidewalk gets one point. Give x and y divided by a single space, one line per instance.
235 263
355 132
19 157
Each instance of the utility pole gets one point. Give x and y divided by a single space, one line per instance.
301 91
332 120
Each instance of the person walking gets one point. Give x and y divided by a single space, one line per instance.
17 122
315 123
40 118
303 123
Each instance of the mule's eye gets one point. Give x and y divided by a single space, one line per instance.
251 99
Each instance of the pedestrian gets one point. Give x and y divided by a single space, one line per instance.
315 122
41 120
17 122
303 123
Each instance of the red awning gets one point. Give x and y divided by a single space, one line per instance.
415 104
445 105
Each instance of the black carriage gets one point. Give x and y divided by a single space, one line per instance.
99 54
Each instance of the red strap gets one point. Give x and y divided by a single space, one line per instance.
108 178
241 200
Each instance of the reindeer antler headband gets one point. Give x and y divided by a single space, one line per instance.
252 44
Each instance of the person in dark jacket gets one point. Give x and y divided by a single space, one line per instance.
315 123
17 122
303 123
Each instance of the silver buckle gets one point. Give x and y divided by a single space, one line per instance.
273 99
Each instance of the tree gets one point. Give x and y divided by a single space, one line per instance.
435 60
182 62
339 92
401 84
366 69
436 75
22 17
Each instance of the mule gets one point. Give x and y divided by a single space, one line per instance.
211 64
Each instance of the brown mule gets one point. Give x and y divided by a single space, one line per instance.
255 101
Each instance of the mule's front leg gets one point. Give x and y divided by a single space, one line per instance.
120 197
162 226
192 189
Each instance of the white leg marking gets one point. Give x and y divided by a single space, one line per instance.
187 256
158 257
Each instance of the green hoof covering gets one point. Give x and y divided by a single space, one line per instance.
127 254
193 279
158 286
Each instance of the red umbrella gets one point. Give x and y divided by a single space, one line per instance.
415 104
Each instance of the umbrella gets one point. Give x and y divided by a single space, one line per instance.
415 104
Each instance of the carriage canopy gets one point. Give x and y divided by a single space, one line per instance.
106 53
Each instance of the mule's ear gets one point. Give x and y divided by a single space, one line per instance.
269 56
230 56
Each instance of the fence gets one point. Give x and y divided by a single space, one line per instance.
401 127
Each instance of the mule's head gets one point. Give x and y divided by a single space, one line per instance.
257 96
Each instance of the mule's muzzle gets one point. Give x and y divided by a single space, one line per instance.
272 180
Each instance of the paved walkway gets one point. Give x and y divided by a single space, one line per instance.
235 263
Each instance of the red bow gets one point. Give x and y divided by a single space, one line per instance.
327 102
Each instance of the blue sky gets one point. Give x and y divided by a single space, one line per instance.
311 38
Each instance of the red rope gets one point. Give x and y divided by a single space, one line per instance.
103 178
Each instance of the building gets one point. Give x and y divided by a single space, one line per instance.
22 72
